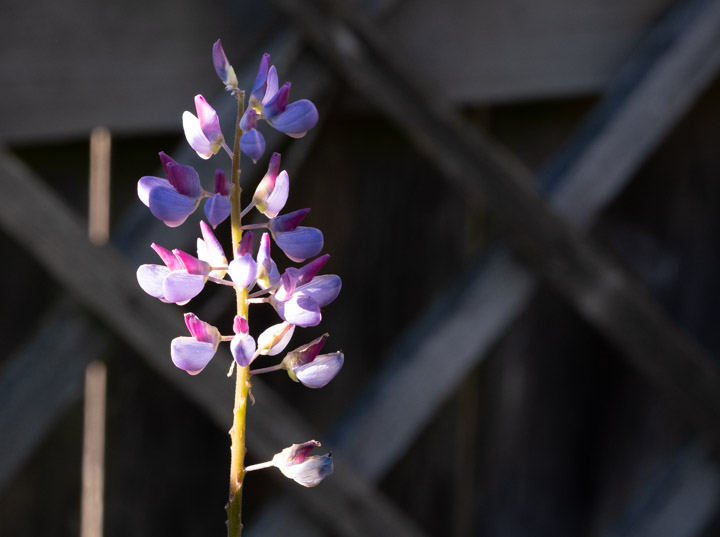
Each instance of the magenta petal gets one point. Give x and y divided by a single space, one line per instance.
171 262
179 287
201 330
151 277
300 244
252 143
209 121
321 370
243 349
300 310
298 118
323 289
240 325
170 206
191 355
192 264
217 209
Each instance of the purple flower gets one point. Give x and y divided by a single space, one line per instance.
174 199
271 102
192 354
301 306
181 279
218 206
295 463
252 142
203 131
298 242
242 345
223 68
271 193
312 370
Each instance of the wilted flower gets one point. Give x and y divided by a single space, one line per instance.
192 354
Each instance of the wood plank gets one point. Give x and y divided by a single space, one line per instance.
107 62
500 51
597 287
672 66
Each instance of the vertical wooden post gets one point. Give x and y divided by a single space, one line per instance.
93 459
99 196
93 475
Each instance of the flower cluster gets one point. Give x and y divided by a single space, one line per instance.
298 293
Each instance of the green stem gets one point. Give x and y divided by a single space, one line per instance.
242 382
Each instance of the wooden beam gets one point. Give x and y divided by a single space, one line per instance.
596 286
101 279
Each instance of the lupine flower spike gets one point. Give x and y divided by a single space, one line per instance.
298 294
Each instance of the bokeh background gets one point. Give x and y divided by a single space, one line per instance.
476 399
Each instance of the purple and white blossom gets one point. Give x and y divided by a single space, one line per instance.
203 131
193 353
218 206
295 463
179 280
272 103
307 366
243 345
173 199
302 306
271 193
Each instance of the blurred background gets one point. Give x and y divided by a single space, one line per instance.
468 154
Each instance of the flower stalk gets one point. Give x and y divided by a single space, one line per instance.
242 380
297 295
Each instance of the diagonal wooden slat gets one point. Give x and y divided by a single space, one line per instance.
652 91
102 280
593 283
581 180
